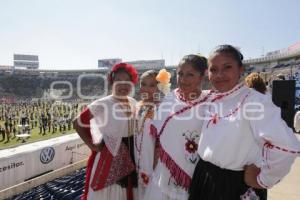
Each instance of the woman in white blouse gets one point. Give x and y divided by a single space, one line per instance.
244 146
177 128
107 127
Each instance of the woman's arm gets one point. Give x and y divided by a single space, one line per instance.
82 126
279 145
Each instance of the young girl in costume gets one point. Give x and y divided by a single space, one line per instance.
144 143
107 127
244 145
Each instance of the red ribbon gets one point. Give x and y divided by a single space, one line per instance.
214 120
129 189
102 170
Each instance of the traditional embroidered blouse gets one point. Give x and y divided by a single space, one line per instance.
177 125
244 127
108 124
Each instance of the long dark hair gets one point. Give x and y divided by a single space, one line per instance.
199 63
231 50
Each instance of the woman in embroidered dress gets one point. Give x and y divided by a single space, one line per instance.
177 127
144 143
106 126
244 146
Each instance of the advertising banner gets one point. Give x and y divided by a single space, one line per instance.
31 160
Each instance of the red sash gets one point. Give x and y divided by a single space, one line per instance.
111 169
102 170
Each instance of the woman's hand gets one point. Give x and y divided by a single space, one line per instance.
250 176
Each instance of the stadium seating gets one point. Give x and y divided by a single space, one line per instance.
31 86
68 187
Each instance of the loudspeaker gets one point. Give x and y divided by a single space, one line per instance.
283 95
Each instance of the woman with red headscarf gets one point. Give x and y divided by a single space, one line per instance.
106 126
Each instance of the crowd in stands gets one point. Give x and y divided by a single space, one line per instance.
28 86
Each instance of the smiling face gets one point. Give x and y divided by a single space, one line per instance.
188 79
224 71
148 88
122 84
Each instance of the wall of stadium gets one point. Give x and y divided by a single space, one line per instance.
30 160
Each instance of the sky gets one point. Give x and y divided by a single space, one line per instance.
74 34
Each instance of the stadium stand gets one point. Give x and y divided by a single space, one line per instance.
65 183
67 187
21 84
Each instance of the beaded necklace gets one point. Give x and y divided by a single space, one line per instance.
180 96
146 113
188 107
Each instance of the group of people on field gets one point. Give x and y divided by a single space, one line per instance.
45 116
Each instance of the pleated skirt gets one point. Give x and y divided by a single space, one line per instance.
211 182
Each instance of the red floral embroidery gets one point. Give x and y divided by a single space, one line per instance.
191 146
145 178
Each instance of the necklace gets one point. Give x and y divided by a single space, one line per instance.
181 97
188 107
145 112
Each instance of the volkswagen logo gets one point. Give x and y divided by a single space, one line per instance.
47 155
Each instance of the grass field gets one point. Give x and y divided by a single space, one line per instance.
34 136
